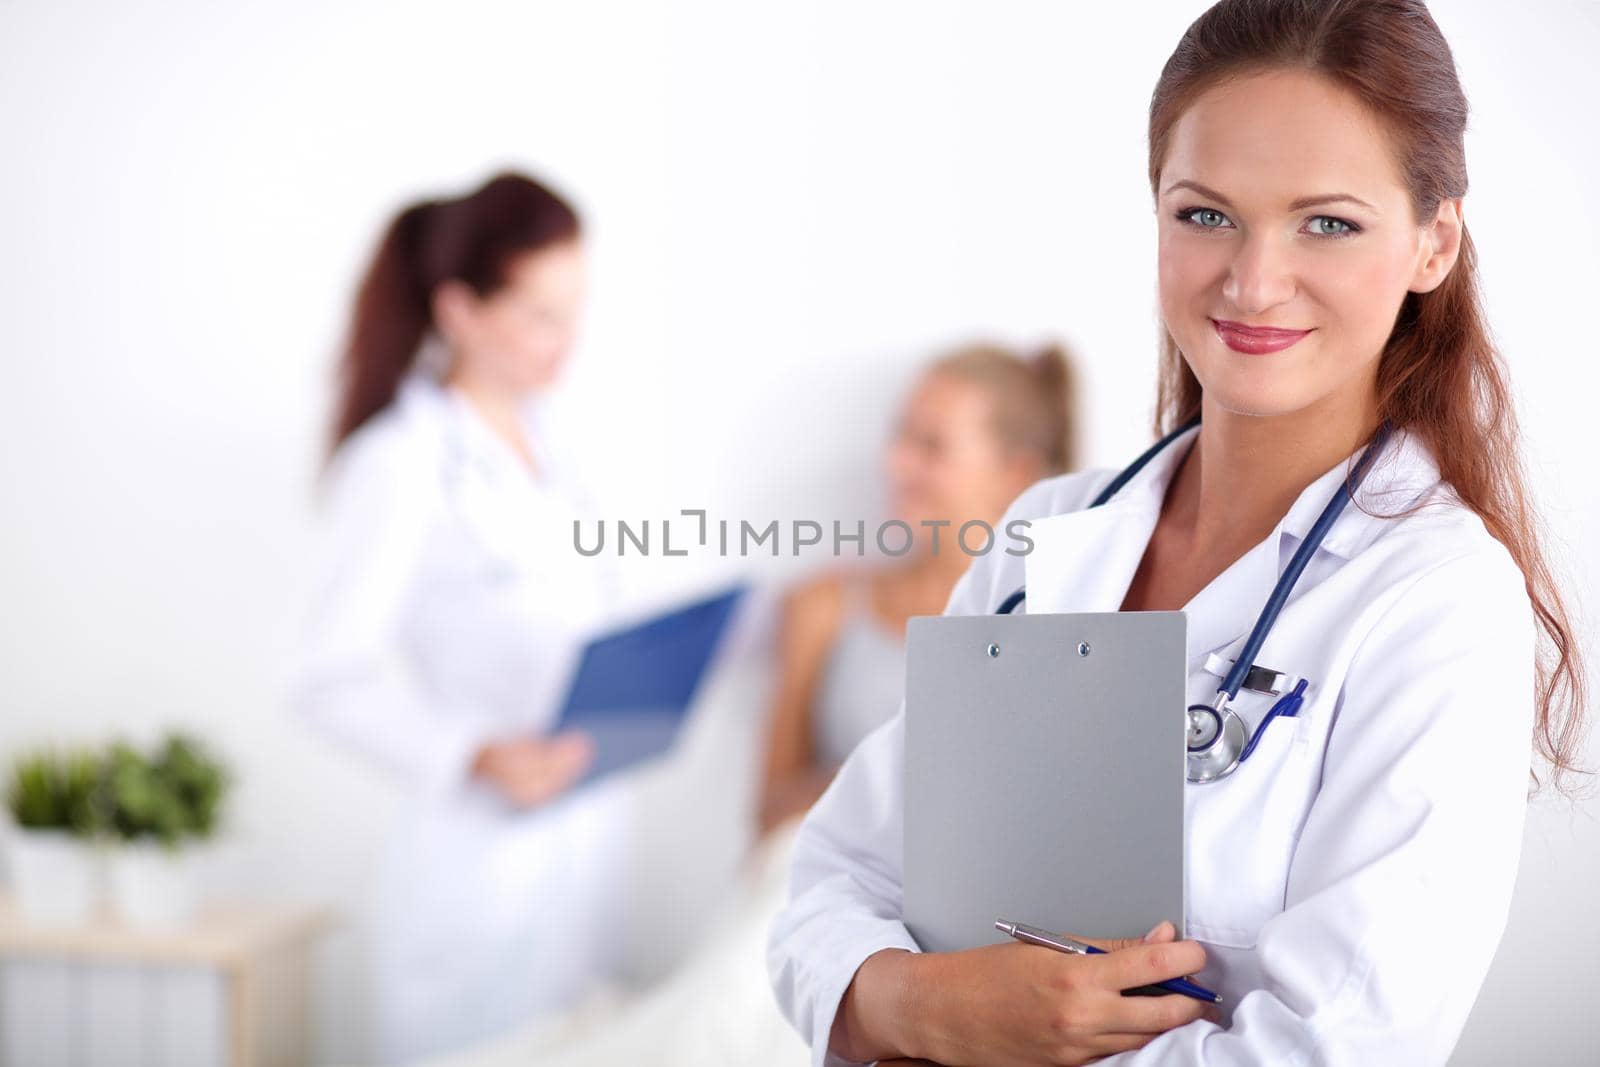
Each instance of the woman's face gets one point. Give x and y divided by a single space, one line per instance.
946 462
518 337
1281 205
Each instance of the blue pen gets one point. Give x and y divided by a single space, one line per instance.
1035 936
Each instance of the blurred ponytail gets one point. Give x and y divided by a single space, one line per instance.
391 317
472 239
1058 388
1035 398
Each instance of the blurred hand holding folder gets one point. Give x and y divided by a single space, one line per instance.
634 687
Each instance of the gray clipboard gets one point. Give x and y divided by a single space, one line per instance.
1044 774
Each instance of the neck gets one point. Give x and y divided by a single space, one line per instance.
1246 471
500 409
936 571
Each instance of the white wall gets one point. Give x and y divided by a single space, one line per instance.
790 207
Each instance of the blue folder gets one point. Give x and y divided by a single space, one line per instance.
634 686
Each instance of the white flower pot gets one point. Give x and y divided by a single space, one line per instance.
152 885
55 875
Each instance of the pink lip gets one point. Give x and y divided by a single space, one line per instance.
1255 340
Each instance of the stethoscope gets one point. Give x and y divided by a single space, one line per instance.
1218 740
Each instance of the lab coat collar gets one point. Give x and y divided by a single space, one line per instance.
1085 560
1403 473
472 445
493 451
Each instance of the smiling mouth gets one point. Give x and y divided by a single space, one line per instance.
1255 340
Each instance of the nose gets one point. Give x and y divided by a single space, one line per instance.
1260 276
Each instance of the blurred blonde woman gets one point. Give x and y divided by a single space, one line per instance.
981 425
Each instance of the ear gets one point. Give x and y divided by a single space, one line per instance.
1441 245
453 304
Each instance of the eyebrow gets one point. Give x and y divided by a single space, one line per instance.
1303 202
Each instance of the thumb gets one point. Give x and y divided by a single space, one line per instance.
572 742
1162 931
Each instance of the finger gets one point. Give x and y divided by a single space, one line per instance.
538 793
1162 931
1111 1044
564 749
573 735
548 777
525 795
577 760
563 766
1152 1015
1148 964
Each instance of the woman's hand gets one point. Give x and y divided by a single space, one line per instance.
530 771
1016 1005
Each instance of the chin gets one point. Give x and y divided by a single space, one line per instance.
914 518
534 383
1263 386
1238 395
1263 404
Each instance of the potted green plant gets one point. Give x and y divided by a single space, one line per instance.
160 806
52 796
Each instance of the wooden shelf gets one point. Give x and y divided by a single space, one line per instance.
229 988
224 934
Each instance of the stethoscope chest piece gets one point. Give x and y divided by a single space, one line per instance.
1216 741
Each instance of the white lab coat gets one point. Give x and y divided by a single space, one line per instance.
1351 880
448 609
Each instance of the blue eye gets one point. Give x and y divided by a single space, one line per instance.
1204 217
1320 226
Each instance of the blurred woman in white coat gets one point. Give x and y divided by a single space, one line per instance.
448 610
1345 887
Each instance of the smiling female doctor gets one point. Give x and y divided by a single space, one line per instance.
1348 882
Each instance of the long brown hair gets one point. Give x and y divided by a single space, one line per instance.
470 239
1440 375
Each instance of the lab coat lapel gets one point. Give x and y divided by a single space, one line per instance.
505 511
1222 613
1085 560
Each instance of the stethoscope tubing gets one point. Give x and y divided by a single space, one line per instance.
1297 564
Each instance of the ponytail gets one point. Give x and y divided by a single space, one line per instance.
1058 386
1035 398
391 317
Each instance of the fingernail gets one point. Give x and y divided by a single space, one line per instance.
1154 930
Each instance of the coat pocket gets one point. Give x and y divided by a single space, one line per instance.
1241 829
